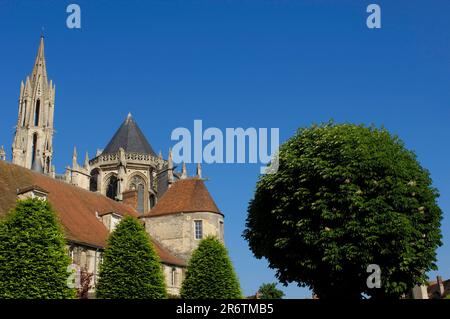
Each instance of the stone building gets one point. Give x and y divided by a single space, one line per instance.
125 178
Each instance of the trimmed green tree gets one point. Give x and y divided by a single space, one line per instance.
210 273
131 269
270 291
345 197
33 256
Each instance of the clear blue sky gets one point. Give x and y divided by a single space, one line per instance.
284 64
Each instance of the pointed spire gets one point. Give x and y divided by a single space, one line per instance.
74 158
170 167
183 171
199 170
22 87
86 162
39 69
170 160
160 154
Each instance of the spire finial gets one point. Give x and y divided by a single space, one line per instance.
74 158
129 117
42 31
183 171
86 160
199 170
170 167
170 160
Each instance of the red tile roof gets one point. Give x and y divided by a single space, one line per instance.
185 196
76 207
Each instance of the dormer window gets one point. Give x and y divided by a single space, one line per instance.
110 220
32 191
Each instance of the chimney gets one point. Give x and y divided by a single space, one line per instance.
130 198
440 285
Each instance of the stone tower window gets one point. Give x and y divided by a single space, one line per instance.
111 187
140 198
93 181
34 148
37 112
24 112
198 229
152 201
138 183
221 230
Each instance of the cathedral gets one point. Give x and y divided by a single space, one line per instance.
125 178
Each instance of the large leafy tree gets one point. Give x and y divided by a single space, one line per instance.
210 274
33 256
131 269
270 291
345 197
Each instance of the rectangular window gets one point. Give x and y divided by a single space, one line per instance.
198 229
173 277
221 230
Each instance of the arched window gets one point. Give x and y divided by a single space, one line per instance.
36 115
93 181
140 197
151 201
111 187
47 164
24 113
33 148
137 183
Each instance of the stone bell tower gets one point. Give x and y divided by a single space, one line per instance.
32 147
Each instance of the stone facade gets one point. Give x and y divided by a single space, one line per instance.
176 232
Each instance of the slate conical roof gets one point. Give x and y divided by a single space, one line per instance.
129 137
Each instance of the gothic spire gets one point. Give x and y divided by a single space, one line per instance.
39 68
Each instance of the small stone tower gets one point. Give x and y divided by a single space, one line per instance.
32 145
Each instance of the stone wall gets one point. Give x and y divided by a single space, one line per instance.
176 232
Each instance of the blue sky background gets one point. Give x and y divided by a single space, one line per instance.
284 64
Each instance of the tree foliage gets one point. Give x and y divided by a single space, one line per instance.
270 291
33 256
210 274
345 197
131 269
